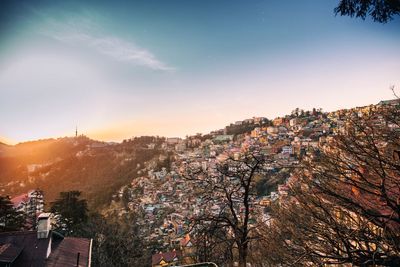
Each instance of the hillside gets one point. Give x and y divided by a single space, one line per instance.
96 168
3 147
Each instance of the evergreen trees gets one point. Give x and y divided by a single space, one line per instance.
117 240
70 212
10 219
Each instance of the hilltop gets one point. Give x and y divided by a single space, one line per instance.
79 163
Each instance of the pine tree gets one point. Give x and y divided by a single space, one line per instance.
70 212
10 219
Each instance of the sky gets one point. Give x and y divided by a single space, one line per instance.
117 69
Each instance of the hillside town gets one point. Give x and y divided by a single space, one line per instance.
169 201
200 133
165 194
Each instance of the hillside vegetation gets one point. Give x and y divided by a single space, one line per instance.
96 168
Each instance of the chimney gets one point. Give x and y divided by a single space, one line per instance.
77 259
43 225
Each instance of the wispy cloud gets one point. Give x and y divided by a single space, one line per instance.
116 49
83 32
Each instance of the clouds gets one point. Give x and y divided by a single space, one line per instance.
83 32
116 49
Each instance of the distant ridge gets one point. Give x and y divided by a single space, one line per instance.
4 144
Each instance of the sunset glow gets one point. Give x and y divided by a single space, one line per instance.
118 71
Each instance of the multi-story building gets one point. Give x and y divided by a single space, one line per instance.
31 203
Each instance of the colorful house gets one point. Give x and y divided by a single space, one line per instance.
171 258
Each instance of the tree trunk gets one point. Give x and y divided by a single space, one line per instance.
242 255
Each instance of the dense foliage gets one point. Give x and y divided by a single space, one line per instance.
245 127
380 10
70 212
96 169
10 219
117 240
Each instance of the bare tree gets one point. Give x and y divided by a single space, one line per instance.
227 195
345 204
212 243
392 88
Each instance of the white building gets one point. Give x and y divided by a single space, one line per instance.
30 203
287 150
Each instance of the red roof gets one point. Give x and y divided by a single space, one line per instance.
184 241
167 256
66 254
18 199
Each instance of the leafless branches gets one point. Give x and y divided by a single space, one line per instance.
345 205
227 196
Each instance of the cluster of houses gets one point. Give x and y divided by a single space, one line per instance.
169 201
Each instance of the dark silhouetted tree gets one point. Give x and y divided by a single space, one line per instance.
70 212
10 219
380 10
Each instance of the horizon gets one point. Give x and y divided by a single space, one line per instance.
174 68
12 143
